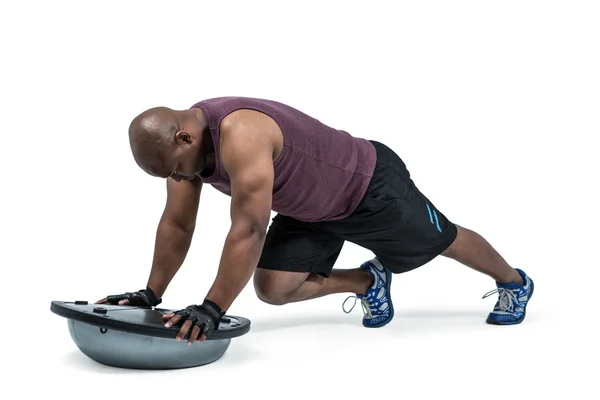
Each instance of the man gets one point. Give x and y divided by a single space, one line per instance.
326 186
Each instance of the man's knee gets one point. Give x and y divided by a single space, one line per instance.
275 287
269 295
266 289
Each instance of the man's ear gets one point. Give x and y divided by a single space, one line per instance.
182 137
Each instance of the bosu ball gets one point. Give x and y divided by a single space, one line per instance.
136 337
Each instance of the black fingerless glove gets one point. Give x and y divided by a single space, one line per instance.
143 298
206 316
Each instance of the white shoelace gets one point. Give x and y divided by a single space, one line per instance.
507 299
363 302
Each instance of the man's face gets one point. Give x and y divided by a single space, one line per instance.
187 162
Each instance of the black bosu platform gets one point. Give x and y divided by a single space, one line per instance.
135 337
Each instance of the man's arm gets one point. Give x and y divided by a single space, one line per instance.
247 155
174 232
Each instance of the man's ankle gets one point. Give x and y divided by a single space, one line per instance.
515 277
518 278
366 281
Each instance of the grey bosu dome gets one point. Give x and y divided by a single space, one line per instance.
136 338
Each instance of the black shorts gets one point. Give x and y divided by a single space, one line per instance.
394 220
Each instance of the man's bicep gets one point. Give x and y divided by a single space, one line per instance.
252 192
249 164
183 199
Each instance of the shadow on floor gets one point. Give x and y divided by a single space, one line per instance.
429 317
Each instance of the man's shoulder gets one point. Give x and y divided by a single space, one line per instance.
246 122
234 100
243 130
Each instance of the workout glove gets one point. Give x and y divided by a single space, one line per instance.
206 316
143 298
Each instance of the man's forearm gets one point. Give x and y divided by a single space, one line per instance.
241 254
170 249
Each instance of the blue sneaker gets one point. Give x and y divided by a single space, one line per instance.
376 303
512 301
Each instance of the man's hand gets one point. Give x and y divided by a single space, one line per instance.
143 298
199 321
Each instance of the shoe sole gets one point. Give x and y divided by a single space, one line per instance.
518 321
388 285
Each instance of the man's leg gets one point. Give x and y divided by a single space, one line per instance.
296 259
514 287
297 265
471 249
406 231
282 287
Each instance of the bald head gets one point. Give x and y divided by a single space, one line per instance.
165 141
152 138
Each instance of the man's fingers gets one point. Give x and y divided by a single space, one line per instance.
103 301
194 334
173 321
184 329
203 335
193 326
124 302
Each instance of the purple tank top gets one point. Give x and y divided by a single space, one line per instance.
321 174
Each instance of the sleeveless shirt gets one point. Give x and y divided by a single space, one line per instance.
321 174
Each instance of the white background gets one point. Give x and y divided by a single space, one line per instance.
494 106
